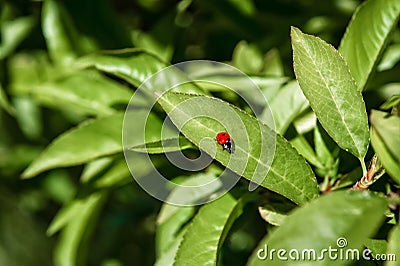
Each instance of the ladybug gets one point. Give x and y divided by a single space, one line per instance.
224 139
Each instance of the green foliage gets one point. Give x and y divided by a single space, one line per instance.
71 139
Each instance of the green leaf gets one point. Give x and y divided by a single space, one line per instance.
95 167
204 237
385 140
88 141
247 58
86 92
390 57
275 213
5 103
285 106
96 138
302 146
72 245
132 65
394 246
203 117
321 224
29 117
163 146
376 246
59 32
328 85
366 36
13 32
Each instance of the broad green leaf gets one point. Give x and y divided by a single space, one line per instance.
282 170
285 106
376 246
335 219
72 245
93 139
247 58
5 103
204 237
90 140
385 139
188 198
327 153
132 65
86 92
328 85
59 32
168 256
163 146
394 246
366 36
13 32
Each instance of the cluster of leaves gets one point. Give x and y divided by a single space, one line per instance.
63 109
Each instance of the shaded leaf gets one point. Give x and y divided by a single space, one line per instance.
247 58
78 145
204 237
334 217
13 32
393 246
328 85
366 35
76 92
132 65
385 139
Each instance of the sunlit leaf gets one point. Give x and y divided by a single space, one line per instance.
366 35
393 247
76 92
328 85
132 65
78 145
59 32
335 217
288 103
71 247
385 139
288 175
13 32
204 237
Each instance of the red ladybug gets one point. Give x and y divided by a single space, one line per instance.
224 139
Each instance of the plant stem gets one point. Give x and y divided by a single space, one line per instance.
363 166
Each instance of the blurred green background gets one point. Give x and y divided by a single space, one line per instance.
123 232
